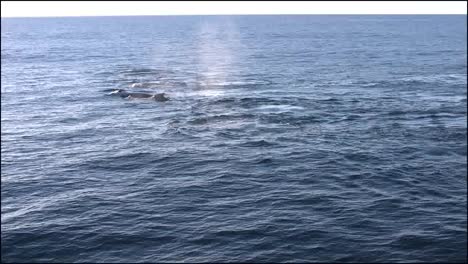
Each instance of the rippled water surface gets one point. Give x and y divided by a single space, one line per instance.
287 138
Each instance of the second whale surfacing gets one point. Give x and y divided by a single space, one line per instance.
160 97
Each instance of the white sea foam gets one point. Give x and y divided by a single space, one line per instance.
438 78
280 108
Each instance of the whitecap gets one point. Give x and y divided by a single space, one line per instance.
280 108
437 78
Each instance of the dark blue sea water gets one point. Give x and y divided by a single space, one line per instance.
286 139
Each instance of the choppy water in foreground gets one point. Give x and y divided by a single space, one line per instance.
287 138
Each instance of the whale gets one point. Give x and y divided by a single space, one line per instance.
160 97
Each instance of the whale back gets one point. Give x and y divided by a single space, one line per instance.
160 97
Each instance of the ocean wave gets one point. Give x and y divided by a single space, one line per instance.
258 157
437 78
258 143
243 83
280 108
450 79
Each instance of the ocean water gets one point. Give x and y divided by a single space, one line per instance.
286 139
